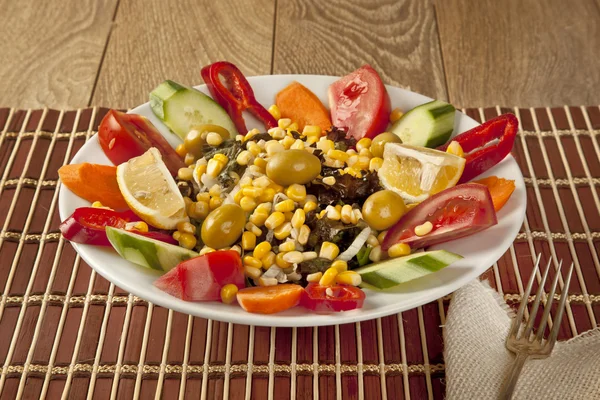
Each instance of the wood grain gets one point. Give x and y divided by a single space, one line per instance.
398 38
51 50
154 40
521 52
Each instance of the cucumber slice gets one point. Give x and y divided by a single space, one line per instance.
147 252
181 108
427 125
390 273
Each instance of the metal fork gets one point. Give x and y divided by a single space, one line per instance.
526 344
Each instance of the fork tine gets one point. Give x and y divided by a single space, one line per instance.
536 304
548 307
560 309
514 329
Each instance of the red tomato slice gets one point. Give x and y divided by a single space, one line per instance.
124 136
201 278
359 103
456 212
344 298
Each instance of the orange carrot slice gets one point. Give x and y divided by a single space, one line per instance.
501 189
269 299
94 182
302 106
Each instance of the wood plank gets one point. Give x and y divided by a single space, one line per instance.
51 50
521 52
398 38
157 40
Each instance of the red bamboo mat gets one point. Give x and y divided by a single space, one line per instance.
67 332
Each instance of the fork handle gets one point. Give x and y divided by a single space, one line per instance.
509 385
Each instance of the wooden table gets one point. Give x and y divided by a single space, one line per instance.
74 53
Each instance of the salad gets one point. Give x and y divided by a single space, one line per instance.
309 211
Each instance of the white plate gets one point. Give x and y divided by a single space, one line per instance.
479 251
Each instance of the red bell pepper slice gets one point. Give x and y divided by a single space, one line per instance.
344 298
480 155
87 226
235 95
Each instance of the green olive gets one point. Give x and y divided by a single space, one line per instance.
196 138
293 166
383 209
379 142
223 226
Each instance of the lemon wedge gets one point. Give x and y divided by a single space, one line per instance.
150 190
415 172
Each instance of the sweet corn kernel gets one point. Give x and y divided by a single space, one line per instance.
292 127
329 180
214 139
310 206
185 174
366 153
247 203
253 148
296 192
200 169
252 261
215 190
340 265
250 134
260 163
283 123
198 210
381 236
239 138
251 272
261 182
141 226
183 227
189 159
455 148
288 216
338 207
399 250
206 250
375 164
311 130
268 260
349 278
221 157
265 207
290 245
97 204
244 158
346 214
204 196
258 218
325 145
237 197
362 163
395 115
282 231
329 251
274 220
187 240
229 291
287 141
285 205
338 155
267 195
298 218
372 241
298 145
375 254
322 214
261 250
293 257
214 167
273 146
358 214
333 213
252 191
277 188
309 255
314 277
267 281
176 235
328 277
248 240
277 133
250 227
181 150
423 229
303 234
280 261
215 202
310 141
274 111
364 143
237 249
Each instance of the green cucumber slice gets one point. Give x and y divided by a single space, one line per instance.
147 252
428 125
181 108
390 273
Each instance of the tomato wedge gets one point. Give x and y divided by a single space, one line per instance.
359 103
270 299
454 213
341 298
201 278
124 136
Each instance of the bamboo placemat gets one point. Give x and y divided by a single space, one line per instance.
67 332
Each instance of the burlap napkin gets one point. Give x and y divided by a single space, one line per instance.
477 362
